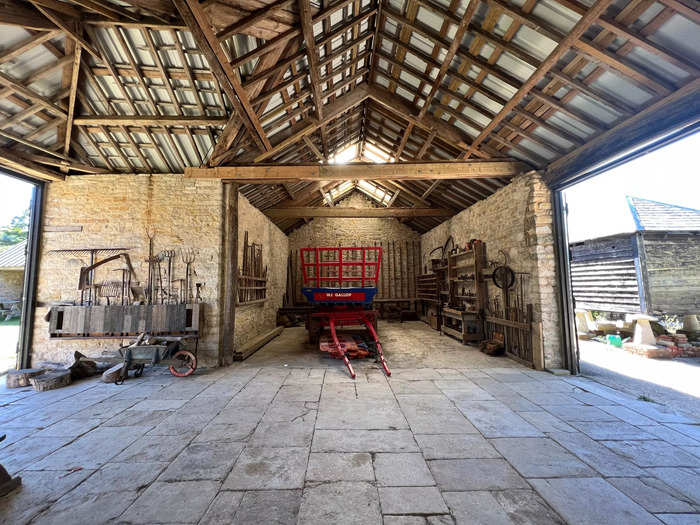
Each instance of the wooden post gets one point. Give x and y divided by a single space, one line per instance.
229 281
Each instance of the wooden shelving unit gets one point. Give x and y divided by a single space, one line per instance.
463 311
428 295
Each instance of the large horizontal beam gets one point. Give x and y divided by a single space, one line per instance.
281 173
337 211
155 120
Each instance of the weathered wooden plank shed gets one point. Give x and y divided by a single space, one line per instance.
654 270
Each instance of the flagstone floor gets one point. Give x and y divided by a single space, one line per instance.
287 437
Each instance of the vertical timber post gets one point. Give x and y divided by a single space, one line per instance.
229 284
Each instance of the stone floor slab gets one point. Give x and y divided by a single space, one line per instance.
540 458
211 460
494 419
332 466
364 441
591 501
610 430
340 503
475 474
596 455
274 507
412 500
455 446
154 448
652 494
546 422
178 502
433 413
653 453
268 468
80 507
360 414
685 480
402 470
223 508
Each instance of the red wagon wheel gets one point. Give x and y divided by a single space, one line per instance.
186 363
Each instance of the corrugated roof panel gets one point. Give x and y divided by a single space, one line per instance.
552 138
656 65
555 14
590 107
534 43
615 84
515 67
572 125
500 87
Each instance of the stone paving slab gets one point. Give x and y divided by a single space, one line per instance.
494 419
332 466
455 446
363 441
652 494
340 503
268 468
475 474
402 470
591 501
540 458
178 502
277 507
210 460
653 453
412 500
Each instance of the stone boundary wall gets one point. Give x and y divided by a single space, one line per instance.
253 320
517 219
11 284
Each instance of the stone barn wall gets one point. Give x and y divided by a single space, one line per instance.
116 211
517 219
255 319
11 284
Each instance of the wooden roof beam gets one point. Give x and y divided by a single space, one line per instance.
198 22
276 174
322 211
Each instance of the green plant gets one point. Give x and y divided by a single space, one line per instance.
16 231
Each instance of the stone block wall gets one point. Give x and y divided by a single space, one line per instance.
516 220
11 284
255 319
359 232
116 211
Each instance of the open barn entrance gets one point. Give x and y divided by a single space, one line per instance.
634 245
16 215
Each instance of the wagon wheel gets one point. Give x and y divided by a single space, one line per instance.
138 371
186 363
503 277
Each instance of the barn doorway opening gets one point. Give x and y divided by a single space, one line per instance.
634 250
17 213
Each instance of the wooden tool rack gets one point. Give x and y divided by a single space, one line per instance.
463 315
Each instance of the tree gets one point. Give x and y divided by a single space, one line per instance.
16 231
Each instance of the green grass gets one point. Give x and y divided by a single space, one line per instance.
11 322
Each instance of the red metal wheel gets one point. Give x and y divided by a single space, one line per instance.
187 366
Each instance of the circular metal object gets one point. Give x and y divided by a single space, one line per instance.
188 366
503 277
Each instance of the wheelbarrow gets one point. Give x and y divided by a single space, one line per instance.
153 351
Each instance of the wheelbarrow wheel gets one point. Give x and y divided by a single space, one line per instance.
186 364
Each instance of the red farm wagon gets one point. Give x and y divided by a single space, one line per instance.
342 282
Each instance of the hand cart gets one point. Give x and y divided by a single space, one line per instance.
342 282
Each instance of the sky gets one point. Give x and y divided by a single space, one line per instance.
15 196
598 207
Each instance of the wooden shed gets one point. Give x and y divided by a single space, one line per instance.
654 269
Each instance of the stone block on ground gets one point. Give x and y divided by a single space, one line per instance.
51 380
20 378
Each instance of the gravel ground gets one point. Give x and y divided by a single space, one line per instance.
672 382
